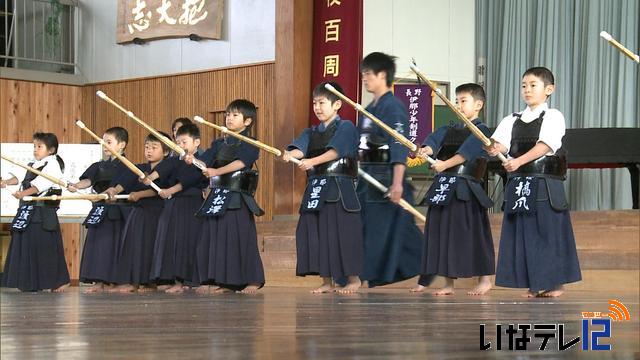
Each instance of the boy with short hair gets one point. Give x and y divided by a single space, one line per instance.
329 231
537 246
458 240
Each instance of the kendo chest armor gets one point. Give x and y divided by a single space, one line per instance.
106 171
451 143
318 145
26 183
524 136
245 181
377 148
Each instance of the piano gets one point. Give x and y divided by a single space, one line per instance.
599 148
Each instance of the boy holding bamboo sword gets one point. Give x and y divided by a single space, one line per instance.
329 231
227 254
178 227
537 246
106 219
135 250
458 242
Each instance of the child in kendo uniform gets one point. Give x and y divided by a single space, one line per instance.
227 254
35 260
537 245
329 233
458 241
106 219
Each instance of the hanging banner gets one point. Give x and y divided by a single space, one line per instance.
337 48
157 19
418 100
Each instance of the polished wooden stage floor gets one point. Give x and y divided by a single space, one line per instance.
283 323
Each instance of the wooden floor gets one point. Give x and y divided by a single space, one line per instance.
282 323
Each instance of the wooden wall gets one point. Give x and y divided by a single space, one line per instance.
27 107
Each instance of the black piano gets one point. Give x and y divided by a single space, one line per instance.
599 148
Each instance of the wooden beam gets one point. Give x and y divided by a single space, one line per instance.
294 30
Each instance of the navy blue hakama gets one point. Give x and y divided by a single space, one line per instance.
329 242
35 260
458 241
135 250
538 250
393 242
176 239
227 251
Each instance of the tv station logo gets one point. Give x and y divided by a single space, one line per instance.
596 328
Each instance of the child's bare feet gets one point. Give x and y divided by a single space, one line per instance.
60 289
146 288
126 288
326 287
558 291
95 288
221 290
175 289
202 289
417 289
250 289
353 284
484 285
113 289
530 294
323 289
447 289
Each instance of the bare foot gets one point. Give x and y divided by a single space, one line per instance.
60 289
447 290
202 289
146 288
96 288
126 288
113 289
529 294
323 289
417 289
164 287
353 284
553 293
484 285
221 290
175 289
326 287
250 289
